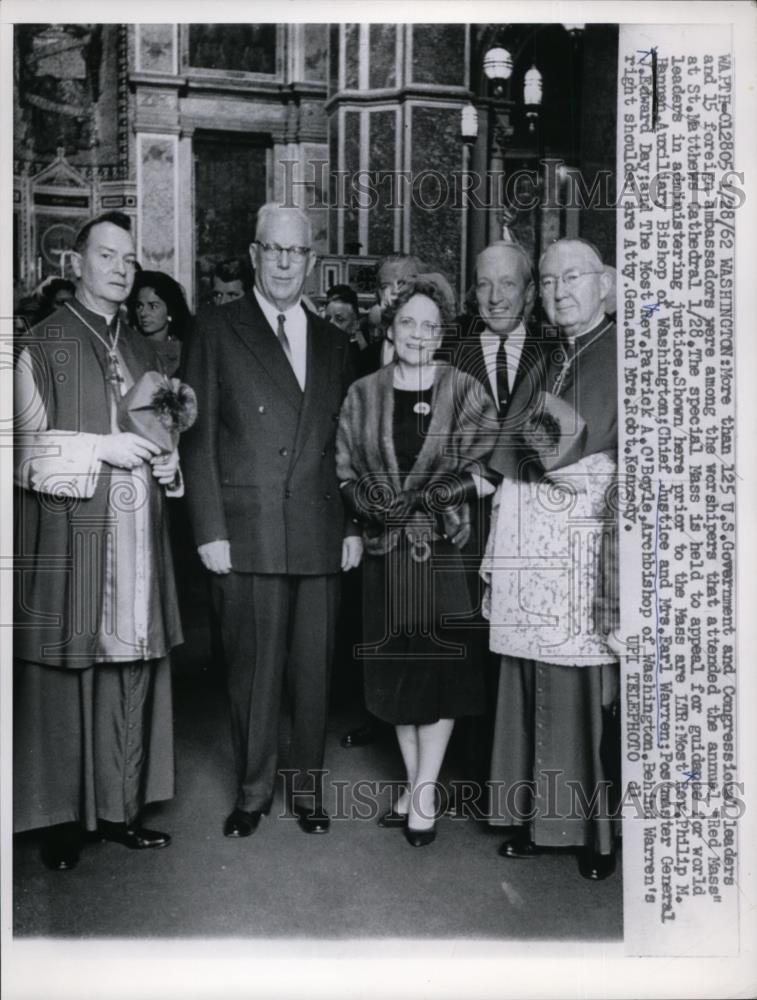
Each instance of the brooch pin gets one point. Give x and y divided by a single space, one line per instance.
422 408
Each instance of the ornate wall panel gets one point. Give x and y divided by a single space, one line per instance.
438 54
156 48
157 187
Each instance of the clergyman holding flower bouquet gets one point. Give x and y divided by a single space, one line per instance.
159 408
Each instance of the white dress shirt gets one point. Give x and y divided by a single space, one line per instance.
296 329
513 349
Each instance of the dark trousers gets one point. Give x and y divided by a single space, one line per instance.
275 627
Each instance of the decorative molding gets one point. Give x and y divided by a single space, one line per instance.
250 87
156 80
415 91
60 174
151 97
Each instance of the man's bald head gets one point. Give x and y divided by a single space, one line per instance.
573 284
504 286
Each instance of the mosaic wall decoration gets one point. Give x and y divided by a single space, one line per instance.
248 48
230 187
351 166
439 54
71 92
316 52
435 230
382 144
156 48
382 42
333 59
55 238
332 182
351 56
158 234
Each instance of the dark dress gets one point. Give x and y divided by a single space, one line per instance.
417 668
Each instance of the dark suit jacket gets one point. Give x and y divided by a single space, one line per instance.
259 463
462 348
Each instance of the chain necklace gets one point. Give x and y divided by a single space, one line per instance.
114 375
570 357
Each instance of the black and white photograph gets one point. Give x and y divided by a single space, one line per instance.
377 500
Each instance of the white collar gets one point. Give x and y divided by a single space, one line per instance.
272 311
108 319
517 333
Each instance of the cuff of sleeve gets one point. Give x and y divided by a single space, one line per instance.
176 487
72 471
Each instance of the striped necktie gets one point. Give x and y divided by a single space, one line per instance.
283 339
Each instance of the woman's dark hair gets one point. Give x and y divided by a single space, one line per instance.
170 292
421 286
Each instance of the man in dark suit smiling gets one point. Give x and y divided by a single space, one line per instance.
267 512
496 347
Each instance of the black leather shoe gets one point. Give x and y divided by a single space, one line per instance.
241 823
137 838
61 846
595 866
519 846
363 736
420 838
313 821
391 819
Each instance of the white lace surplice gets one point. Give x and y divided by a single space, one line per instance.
542 565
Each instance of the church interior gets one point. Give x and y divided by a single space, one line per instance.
377 131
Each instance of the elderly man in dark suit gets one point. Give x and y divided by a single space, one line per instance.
267 512
496 347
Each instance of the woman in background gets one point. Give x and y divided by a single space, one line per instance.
158 309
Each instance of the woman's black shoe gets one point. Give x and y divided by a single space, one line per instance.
419 838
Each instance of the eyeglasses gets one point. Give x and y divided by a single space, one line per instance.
408 325
272 251
570 279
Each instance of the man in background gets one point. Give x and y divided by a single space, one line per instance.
497 347
231 279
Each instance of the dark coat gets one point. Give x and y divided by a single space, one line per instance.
590 389
460 435
462 348
259 463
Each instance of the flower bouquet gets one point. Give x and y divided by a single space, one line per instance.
158 408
